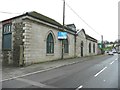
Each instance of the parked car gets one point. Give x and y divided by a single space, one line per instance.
114 52
110 53
118 52
106 51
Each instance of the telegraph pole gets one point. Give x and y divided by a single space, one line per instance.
63 14
102 44
63 26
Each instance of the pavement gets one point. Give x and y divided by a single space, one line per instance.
9 72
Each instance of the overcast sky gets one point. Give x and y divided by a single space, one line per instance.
101 15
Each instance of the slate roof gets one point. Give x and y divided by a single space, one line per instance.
48 20
89 37
43 18
37 16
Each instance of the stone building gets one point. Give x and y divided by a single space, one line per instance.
0 42
32 38
85 45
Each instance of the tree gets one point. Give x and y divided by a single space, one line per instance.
111 42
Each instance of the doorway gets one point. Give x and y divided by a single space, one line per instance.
81 48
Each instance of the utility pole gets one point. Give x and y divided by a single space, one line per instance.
63 14
63 26
102 44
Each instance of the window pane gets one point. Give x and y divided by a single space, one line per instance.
4 30
7 41
50 44
7 28
47 47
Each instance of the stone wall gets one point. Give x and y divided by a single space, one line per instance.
17 41
82 38
12 57
6 54
29 43
92 53
1 42
35 43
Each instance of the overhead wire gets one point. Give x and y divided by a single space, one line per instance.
81 18
71 10
8 12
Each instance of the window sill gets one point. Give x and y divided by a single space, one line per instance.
50 54
6 50
66 53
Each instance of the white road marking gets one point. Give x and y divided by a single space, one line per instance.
104 80
35 83
36 72
23 75
112 62
31 82
31 73
100 72
79 87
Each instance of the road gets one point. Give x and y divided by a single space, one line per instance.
98 72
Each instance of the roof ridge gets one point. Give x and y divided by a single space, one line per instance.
43 17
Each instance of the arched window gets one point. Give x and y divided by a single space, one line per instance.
66 46
50 43
94 48
89 47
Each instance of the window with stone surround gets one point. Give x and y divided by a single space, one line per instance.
50 44
7 37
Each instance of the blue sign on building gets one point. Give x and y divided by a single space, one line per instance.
62 35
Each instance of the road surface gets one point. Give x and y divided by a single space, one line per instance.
98 72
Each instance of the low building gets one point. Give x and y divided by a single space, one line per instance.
0 42
85 45
32 38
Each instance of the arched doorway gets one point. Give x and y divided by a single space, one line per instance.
82 48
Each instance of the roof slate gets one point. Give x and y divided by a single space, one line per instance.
43 18
49 20
90 38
